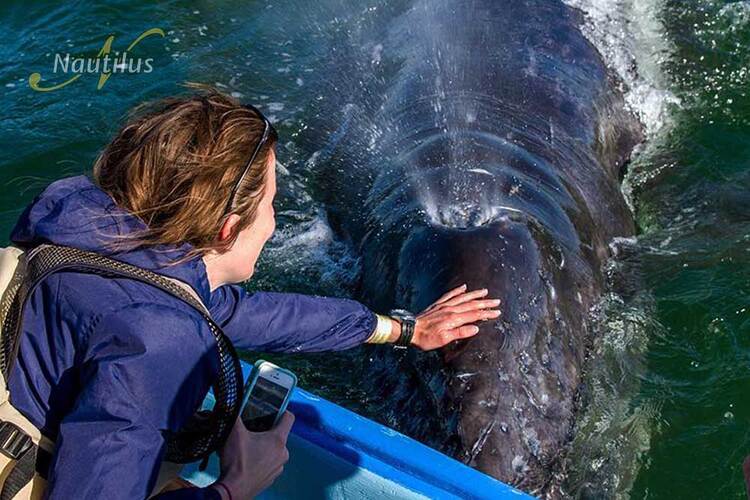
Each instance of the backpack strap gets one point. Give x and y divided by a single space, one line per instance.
206 432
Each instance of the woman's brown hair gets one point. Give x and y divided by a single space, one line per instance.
174 165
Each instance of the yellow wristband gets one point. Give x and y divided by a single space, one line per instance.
382 331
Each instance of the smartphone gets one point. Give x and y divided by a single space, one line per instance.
267 394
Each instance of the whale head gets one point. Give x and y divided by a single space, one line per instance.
506 398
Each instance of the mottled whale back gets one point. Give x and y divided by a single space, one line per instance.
500 144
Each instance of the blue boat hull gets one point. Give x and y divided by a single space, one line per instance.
337 454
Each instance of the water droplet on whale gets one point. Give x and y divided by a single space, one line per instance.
519 464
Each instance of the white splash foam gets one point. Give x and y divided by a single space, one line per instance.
633 42
306 252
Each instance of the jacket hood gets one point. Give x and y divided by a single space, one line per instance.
75 212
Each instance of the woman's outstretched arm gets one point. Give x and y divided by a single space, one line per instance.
290 322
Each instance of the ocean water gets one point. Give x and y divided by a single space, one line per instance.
669 414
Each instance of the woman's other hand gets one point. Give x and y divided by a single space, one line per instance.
251 461
452 317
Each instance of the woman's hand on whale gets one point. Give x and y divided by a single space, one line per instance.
452 317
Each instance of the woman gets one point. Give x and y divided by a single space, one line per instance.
105 366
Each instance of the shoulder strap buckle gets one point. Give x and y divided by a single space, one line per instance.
14 442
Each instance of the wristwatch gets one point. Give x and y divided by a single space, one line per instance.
408 321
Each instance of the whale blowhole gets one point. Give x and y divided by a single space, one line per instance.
467 215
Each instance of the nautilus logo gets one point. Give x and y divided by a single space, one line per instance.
106 63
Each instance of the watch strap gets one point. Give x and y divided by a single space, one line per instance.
407 332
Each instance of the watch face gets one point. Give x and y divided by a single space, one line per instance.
403 314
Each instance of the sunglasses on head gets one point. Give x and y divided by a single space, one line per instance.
268 131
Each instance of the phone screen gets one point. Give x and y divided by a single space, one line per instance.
263 404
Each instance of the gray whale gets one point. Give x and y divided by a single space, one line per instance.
497 144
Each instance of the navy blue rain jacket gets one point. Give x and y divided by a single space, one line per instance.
106 365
